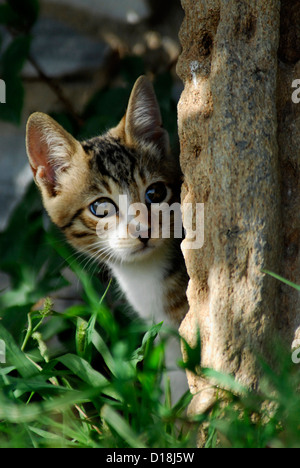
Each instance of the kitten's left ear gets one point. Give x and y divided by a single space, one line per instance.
50 149
143 120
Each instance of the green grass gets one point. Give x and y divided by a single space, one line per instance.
92 377
89 377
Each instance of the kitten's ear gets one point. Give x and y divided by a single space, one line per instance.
143 120
49 148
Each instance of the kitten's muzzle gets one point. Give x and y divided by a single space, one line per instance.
144 240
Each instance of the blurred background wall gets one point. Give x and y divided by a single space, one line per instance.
77 47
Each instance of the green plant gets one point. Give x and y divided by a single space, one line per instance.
90 377
92 386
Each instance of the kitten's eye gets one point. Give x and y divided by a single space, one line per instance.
103 207
156 193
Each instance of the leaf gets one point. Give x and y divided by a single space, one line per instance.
8 16
87 374
91 328
22 385
118 424
148 339
16 357
14 320
102 349
21 413
45 434
226 381
6 370
27 11
12 110
66 252
38 274
14 57
192 360
83 370
77 310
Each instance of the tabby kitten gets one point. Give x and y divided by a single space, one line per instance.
81 185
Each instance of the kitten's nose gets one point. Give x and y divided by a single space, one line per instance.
144 240
144 235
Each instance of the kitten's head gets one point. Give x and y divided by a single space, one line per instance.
81 183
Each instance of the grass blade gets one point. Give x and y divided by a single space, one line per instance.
283 280
87 374
16 357
118 424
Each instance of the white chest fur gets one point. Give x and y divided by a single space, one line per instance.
142 283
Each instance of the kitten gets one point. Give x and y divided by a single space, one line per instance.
81 184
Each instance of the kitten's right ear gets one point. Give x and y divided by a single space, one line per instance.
143 120
49 148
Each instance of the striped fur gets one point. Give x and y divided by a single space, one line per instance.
124 161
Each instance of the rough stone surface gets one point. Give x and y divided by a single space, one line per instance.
229 156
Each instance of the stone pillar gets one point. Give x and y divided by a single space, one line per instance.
227 119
